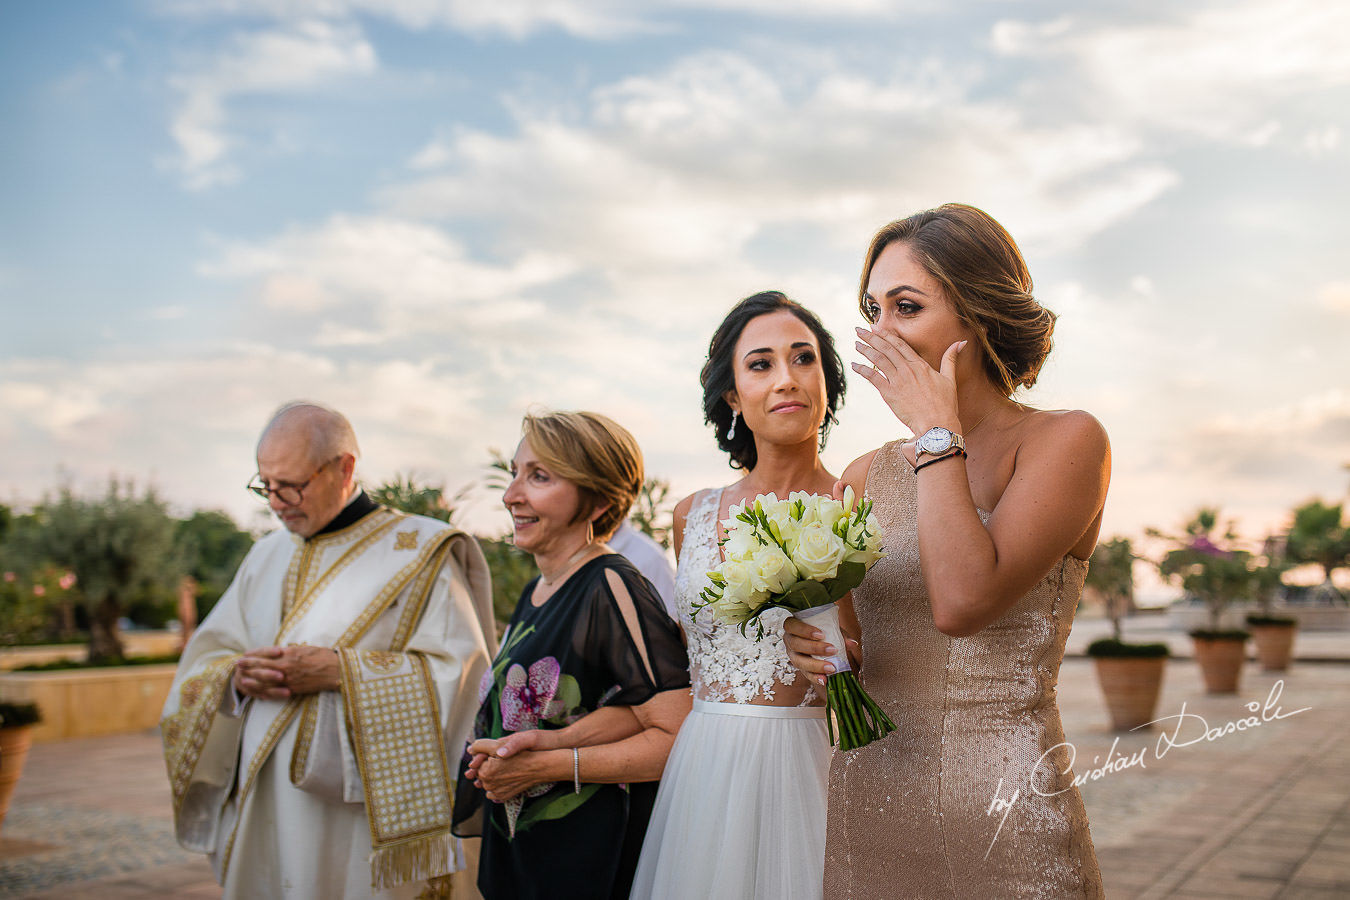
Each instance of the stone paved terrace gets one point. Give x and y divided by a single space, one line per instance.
1259 813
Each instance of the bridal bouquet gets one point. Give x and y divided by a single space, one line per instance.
802 554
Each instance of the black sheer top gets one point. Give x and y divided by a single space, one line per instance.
558 662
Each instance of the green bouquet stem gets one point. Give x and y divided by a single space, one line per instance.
859 718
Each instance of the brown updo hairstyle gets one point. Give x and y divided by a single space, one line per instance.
982 273
596 454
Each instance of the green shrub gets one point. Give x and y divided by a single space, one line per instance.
1110 647
1281 621
1220 634
14 715
61 665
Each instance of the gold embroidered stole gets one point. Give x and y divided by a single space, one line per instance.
394 720
186 729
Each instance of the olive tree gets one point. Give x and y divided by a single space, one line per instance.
119 546
1111 573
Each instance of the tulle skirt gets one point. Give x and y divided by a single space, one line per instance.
741 809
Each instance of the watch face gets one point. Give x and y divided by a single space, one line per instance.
935 440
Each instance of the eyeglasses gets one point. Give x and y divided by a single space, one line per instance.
288 494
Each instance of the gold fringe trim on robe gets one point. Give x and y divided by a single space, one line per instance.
394 723
185 731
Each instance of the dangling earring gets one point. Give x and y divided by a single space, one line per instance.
731 432
590 532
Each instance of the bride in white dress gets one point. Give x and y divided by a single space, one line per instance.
741 809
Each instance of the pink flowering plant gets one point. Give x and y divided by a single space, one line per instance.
1207 565
32 602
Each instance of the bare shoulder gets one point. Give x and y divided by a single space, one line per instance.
679 518
1073 431
682 508
855 475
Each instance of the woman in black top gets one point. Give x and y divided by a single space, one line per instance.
583 701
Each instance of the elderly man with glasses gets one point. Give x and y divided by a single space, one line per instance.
307 731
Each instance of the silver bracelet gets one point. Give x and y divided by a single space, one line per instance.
576 770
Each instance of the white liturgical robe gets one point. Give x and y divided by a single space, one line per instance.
340 794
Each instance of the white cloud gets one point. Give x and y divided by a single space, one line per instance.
1143 285
689 166
301 57
1321 141
1223 72
596 19
145 418
1014 38
1262 462
407 278
1335 296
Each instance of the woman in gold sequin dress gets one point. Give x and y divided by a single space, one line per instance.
989 516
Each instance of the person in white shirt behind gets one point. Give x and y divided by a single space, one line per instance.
649 558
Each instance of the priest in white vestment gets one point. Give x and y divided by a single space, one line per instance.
309 729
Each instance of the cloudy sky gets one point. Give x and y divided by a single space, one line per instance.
436 214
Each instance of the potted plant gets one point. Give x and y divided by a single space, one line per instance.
1320 536
1273 635
1130 675
1218 574
16 723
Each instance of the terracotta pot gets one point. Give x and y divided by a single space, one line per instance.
14 743
1220 662
1274 645
1131 686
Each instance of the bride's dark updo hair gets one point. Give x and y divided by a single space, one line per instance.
982 273
719 376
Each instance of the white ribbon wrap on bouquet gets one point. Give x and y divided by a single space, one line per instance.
826 618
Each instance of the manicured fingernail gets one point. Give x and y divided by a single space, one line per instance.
817 635
829 648
829 668
860 329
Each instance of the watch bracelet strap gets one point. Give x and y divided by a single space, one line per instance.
948 455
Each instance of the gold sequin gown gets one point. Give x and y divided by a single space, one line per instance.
910 815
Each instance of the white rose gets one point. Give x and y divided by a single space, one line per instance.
772 571
737 574
829 511
818 552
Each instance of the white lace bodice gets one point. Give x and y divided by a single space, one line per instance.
723 665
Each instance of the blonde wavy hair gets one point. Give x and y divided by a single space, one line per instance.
597 454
